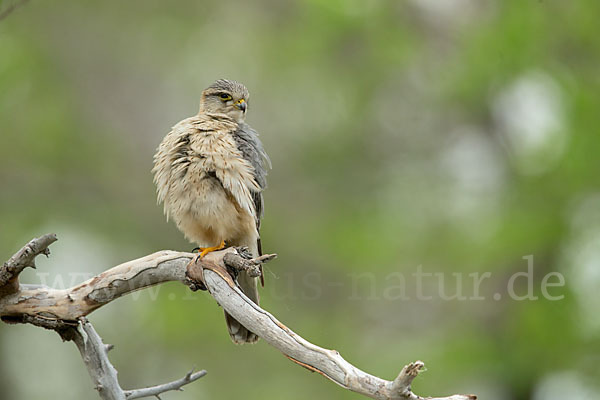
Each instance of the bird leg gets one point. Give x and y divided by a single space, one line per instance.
205 250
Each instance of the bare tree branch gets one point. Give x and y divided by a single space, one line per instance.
95 357
6 12
62 311
159 389
326 362
104 376
79 301
9 272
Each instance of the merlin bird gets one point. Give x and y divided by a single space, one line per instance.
210 171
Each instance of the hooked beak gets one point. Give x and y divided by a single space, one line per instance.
242 105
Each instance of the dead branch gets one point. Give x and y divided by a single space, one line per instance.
9 272
95 357
159 389
104 376
8 10
329 363
63 311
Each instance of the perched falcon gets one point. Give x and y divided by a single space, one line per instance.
210 171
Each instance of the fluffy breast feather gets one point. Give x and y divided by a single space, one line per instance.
203 179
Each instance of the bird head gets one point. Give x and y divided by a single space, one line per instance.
225 97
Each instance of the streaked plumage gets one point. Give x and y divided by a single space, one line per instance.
210 171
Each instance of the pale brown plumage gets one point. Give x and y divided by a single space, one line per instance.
210 173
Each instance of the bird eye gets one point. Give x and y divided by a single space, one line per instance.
225 97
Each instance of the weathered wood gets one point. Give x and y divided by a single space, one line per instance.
95 357
165 387
9 272
328 363
64 311
78 301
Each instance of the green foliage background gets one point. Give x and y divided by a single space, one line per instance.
389 127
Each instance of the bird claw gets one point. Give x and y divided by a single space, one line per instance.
195 286
205 250
244 251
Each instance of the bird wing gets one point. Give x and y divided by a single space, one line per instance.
253 152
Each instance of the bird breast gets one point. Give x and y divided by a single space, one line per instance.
210 200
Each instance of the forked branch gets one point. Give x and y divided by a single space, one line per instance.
63 311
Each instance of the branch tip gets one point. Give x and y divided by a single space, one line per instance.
10 270
159 389
242 260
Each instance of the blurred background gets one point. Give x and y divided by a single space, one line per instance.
452 138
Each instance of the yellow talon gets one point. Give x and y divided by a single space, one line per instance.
205 250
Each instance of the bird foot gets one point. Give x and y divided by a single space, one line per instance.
205 250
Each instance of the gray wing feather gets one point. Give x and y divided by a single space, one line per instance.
249 144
